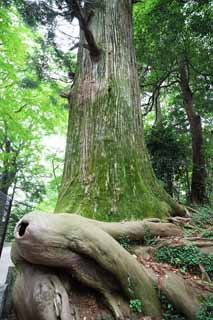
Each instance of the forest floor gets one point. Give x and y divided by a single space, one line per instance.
189 255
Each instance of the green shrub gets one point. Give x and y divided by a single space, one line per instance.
206 309
135 305
124 242
203 217
208 234
149 240
186 257
169 311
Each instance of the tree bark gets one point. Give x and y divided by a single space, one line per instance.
198 187
107 173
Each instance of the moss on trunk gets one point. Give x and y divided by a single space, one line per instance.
107 173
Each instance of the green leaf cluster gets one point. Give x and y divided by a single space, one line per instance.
136 305
188 257
31 110
206 309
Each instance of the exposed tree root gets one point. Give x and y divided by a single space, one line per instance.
87 251
40 294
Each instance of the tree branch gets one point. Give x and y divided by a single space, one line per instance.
20 109
75 46
79 13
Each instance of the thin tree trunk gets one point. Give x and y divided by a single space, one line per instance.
9 169
107 173
198 194
158 113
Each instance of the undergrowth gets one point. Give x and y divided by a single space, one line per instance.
125 242
203 217
169 311
207 234
187 258
206 309
149 240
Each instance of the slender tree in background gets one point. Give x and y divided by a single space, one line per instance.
198 187
107 171
173 40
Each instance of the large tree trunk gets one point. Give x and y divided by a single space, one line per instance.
51 250
198 187
107 173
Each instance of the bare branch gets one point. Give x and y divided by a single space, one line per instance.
84 20
75 46
65 94
20 109
68 35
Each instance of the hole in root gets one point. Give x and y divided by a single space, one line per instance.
22 228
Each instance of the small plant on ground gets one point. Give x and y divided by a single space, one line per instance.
187 258
208 234
203 217
124 242
169 311
149 240
206 309
136 305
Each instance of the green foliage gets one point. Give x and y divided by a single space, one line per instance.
148 238
135 305
168 153
165 32
203 217
30 109
169 311
207 234
206 309
188 257
124 242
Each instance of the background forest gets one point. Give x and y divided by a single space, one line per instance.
173 42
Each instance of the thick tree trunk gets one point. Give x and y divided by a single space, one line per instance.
107 173
51 249
198 192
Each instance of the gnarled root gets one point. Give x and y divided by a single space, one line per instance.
86 250
40 294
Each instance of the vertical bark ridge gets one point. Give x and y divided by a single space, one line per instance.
107 168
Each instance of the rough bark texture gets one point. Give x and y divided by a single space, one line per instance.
107 174
50 248
198 192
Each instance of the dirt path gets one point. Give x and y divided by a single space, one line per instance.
5 262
